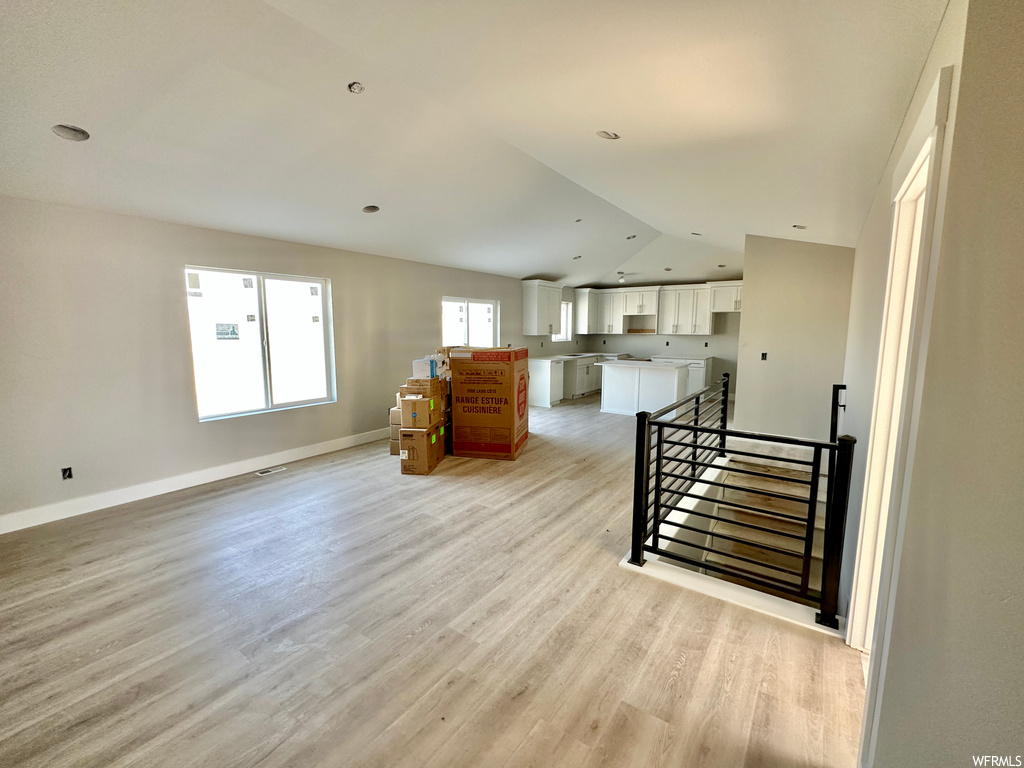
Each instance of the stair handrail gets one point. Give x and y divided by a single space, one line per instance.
839 450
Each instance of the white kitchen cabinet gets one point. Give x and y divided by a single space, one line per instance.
586 312
727 297
636 385
545 381
610 304
581 376
702 312
699 369
586 376
542 308
640 302
685 311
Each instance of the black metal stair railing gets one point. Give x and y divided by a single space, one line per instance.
745 514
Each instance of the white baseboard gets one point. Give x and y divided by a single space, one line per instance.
27 518
664 570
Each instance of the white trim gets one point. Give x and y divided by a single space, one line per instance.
27 518
913 386
777 607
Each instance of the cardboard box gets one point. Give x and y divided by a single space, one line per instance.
490 393
421 412
438 445
395 430
395 415
424 368
424 387
419 450
448 433
395 447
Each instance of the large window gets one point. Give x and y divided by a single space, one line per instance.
469 322
566 334
260 342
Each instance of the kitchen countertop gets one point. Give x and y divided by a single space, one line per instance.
647 363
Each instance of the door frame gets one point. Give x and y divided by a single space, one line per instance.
884 547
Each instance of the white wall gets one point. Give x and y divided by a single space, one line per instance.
796 301
870 270
96 366
955 680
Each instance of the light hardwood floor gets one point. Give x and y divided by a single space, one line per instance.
341 614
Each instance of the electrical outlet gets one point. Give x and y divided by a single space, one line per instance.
604 341
705 343
542 343
666 343
65 473
764 355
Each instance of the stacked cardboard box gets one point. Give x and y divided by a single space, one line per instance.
490 396
421 419
395 419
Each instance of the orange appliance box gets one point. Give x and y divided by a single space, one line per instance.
490 393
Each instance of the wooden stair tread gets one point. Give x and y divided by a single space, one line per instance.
728 512
770 503
770 468
755 483
763 572
793 546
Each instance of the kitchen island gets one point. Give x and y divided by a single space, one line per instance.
630 386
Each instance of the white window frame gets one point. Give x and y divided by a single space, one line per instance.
327 316
566 334
495 314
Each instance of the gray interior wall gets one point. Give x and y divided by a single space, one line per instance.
97 368
870 272
953 687
796 302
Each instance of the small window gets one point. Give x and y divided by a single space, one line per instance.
566 334
260 342
469 322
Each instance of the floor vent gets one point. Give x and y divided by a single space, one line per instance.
272 470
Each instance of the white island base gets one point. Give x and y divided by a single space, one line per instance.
631 386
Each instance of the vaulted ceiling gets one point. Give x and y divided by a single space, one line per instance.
476 133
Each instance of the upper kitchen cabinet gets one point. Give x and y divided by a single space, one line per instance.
640 301
685 311
542 308
587 312
609 311
727 296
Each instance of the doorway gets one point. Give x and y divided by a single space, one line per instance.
903 343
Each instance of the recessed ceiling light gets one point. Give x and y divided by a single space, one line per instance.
574 258
668 269
578 220
799 226
356 87
71 132
697 234
631 237
721 266
371 209
608 135
620 272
